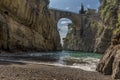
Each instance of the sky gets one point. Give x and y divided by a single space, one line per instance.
63 27
74 5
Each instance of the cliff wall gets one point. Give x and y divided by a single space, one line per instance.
93 35
27 25
110 14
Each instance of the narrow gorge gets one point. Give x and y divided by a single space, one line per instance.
30 41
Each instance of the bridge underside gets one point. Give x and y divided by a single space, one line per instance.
76 18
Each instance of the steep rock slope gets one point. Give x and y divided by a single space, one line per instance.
27 25
83 39
110 63
93 35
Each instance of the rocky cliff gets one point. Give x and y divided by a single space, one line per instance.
110 14
83 39
93 35
27 25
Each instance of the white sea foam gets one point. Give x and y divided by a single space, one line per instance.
87 64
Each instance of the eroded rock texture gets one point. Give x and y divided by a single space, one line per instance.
27 25
93 35
83 39
110 63
110 14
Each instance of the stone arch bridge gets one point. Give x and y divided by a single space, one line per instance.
75 17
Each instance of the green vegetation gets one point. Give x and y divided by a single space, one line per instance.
116 31
82 11
118 24
104 11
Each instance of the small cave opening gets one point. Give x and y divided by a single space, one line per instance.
6 12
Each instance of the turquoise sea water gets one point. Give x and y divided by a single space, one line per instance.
79 54
75 54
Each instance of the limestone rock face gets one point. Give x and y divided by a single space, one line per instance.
110 63
102 39
27 25
81 40
93 36
96 33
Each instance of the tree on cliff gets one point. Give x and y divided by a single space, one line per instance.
82 11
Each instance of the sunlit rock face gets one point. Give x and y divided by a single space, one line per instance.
110 14
27 25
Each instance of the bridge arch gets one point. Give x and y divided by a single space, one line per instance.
63 28
75 17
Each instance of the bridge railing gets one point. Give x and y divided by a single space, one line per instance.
60 10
